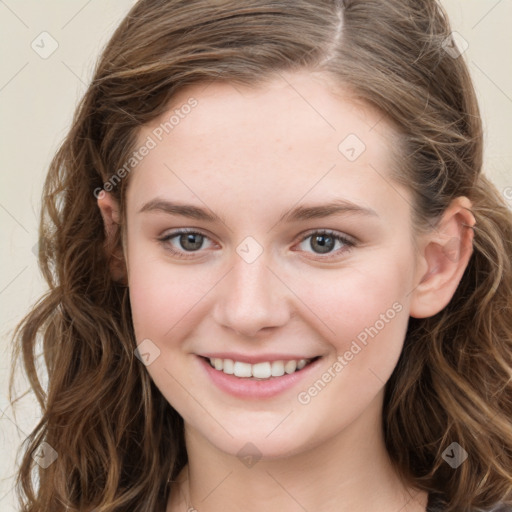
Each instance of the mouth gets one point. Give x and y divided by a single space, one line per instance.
265 377
261 371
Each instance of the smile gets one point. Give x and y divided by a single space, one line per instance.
258 377
261 370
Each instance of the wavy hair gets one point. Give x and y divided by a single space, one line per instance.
118 440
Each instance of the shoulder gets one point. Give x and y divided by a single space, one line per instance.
436 504
498 508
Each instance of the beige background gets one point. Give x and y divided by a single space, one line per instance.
37 99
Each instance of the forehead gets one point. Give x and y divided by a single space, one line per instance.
299 133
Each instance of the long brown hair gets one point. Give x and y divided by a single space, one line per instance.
118 441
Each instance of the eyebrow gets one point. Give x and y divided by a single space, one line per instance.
300 213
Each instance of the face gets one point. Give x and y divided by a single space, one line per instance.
297 250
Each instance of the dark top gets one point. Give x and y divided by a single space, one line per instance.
435 504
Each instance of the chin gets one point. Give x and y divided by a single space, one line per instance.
261 440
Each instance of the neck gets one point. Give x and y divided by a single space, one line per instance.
351 471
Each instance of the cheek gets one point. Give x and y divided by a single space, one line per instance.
356 298
162 294
365 311
369 317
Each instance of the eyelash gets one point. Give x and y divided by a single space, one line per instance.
349 244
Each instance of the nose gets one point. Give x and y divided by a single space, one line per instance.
252 298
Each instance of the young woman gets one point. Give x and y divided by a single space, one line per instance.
278 277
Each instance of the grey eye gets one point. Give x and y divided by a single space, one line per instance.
322 243
191 241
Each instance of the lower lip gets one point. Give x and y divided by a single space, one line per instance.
258 389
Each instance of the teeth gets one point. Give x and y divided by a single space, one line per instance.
242 369
277 368
228 366
290 366
263 370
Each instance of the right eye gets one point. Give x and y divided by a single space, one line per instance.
183 241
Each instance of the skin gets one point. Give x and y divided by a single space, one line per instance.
249 155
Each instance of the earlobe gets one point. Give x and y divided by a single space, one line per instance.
110 213
446 252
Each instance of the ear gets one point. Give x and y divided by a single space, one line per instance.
444 256
110 213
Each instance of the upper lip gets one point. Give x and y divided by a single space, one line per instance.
253 359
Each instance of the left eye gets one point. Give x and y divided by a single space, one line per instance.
323 242
182 242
